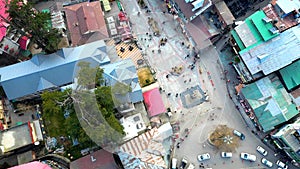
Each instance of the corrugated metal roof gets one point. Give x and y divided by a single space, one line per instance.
270 102
146 148
246 34
130 161
262 26
44 71
291 75
254 30
282 51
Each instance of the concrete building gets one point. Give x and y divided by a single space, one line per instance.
20 136
201 19
288 139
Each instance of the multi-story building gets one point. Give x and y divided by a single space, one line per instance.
288 139
268 103
201 19
267 40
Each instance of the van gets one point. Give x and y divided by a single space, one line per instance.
174 163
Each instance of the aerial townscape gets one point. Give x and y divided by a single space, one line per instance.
149 84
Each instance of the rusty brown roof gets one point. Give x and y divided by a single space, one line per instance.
86 20
102 159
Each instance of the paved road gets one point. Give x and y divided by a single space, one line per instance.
197 118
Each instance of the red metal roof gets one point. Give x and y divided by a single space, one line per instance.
154 102
86 22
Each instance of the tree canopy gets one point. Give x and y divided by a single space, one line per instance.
88 76
33 24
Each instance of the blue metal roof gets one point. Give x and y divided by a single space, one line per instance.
46 71
274 54
124 71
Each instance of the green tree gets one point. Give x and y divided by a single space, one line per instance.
88 76
104 97
106 105
33 24
121 88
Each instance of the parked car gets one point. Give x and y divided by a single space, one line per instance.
281 164
248 157
261 150
239 134
174 163
267 162
203 157
183 163
191 166
226 154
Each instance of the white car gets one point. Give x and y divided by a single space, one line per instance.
226 154
248 157
261 150
281 164
267 162
239 134
203 157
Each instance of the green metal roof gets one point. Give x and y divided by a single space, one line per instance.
270 102
291 75
258 28
237 39
262 26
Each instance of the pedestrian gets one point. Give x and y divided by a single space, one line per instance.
176 94
190 80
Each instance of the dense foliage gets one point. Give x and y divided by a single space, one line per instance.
34 25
